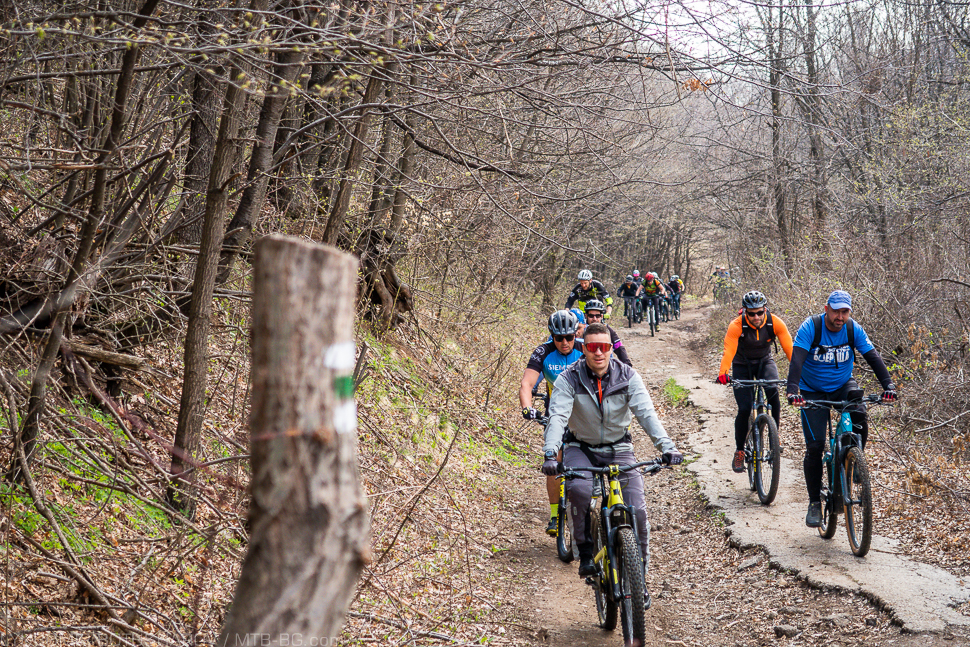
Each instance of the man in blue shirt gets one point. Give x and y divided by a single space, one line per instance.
548 360
821 369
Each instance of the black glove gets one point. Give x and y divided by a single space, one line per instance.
550 467
529 413
889 395
795 399
673 458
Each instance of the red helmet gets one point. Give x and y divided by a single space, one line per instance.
650 276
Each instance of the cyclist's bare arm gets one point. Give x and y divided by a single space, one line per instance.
529 378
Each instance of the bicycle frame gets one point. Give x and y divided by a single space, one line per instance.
841 440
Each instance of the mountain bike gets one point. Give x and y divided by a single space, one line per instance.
676 306
564 519
846 486
618 584
762 448
633 311
664 309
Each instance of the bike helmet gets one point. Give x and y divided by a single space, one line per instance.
595 304
636 274
580 317
563 322
650 276
629 278
754 299
675 277
585 275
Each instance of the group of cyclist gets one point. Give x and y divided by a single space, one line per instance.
593 392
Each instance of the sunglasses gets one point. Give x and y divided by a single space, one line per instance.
564 337
591 315
599 347
759 313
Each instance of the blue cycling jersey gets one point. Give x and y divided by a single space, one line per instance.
547 360
829 366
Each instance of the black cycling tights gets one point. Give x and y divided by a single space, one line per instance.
742 421
813 457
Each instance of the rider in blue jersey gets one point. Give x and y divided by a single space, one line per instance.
549 360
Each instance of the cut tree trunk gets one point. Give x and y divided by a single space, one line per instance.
308 517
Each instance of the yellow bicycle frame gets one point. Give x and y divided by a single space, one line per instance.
615 497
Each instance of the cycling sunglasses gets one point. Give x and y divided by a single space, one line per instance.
594 315
759 313
599 347
564 337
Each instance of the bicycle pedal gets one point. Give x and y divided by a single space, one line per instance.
591 580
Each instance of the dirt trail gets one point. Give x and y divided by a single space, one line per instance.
722 567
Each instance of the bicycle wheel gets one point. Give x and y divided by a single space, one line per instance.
858 511
630 315
830 518
564 535
768 470
652 315
630 568
606 608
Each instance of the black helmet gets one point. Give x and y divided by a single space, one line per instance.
754 299
595 304
629 278
562 322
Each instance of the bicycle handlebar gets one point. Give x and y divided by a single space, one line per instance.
650 466
873 398
747 383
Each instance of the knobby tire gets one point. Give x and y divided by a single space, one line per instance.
830 518
630 568
769 459
858 513
564 537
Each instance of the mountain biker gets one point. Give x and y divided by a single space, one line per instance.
549 360
598 397
821 369
747 354
588 289
630 288
594 313
653 291
676 287
636 277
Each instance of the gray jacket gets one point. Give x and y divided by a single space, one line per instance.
575 401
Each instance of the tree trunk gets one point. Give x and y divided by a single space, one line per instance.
202 142
180 493
308 517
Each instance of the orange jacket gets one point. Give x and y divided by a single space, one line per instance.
734 334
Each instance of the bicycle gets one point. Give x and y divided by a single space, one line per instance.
633 311
618 584
846 487
676 306
564 519
762 447
664 309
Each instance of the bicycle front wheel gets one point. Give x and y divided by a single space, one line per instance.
630 315
652 314
630 568
768 460
606 607
750 452
858 498
564 536
830 517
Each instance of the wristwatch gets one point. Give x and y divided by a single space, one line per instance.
549 455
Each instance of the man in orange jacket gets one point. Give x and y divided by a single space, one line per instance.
747 354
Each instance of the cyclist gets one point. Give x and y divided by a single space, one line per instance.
676 287
653 291
594 314
630 288
598 397
747 354
588 289
821 369
548 360
636 277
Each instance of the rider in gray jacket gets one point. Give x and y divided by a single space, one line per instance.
598 398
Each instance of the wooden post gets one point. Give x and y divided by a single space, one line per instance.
308 517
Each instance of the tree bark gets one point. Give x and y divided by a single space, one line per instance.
308 517
180 493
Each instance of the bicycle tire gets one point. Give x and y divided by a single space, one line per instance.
769 458
652 316
830 518
564 536
632 587
606 608
857 514
630 315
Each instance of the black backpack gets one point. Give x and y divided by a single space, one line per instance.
817 339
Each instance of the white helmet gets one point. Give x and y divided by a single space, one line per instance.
585 275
